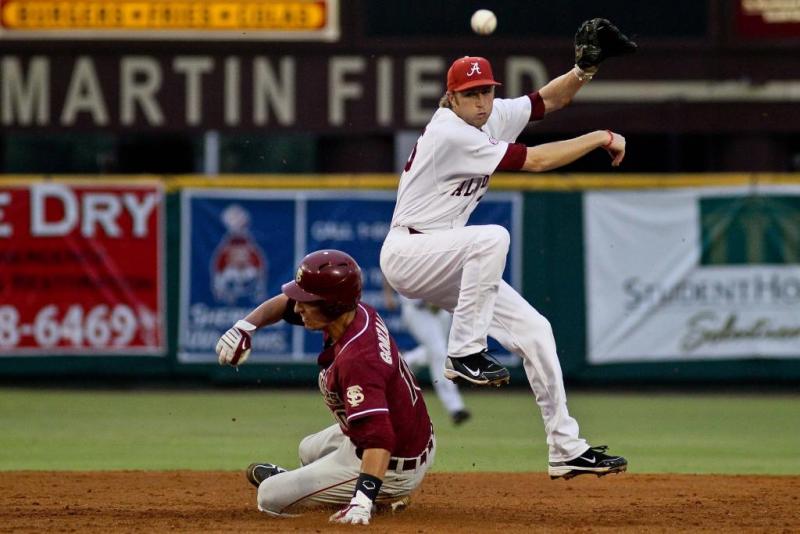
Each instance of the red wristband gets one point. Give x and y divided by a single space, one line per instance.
610 139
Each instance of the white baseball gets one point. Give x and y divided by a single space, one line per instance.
483 22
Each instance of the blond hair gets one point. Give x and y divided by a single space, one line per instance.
444 102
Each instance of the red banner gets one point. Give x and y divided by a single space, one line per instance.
81 269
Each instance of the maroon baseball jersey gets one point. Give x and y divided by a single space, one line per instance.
363 374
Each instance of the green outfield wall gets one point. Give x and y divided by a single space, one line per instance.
553 256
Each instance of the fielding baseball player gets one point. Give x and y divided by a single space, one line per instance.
430 253
430 326
382 443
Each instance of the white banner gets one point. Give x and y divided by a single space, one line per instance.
692 274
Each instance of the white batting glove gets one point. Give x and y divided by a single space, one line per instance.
357 512
233 348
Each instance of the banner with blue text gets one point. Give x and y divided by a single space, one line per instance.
239 246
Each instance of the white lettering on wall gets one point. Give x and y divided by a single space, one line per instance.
520 67
6 230
277 91
92 212
418 87
84 95
140 80
339 89
193 67
233 94
385 94
25 98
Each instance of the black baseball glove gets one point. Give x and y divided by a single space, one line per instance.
598 39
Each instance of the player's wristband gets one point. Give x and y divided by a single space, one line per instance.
241 324
584 75
368 485
610 139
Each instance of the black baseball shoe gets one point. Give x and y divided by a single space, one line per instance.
460 417
476 369
593 461
258 473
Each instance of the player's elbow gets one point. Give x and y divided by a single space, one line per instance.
536 161
556 102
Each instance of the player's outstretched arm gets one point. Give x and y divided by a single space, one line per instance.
559 92
233 348
268 312
551 156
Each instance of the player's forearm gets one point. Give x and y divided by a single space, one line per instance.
550 156
375 462
559 92
268 312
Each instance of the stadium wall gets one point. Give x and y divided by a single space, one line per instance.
553 257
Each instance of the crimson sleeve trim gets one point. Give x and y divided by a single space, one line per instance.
537 106
514 158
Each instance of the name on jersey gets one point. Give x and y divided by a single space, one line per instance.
470 186
384 341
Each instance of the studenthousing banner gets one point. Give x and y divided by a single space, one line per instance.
239 246
82 269
693 274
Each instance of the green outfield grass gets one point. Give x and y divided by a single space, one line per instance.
227 429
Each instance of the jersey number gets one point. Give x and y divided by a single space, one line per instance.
413 154
411 384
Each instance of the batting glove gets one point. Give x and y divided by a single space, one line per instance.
357 512
233 348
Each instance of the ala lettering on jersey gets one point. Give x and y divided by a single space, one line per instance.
355 395
469 186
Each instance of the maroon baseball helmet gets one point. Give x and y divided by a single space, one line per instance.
330 276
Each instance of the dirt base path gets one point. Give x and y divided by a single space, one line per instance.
190 501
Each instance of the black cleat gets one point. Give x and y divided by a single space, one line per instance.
593 461
258 473
476 369
460 417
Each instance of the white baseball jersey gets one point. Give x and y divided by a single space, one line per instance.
448 170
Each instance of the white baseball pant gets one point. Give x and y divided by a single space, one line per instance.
461 270
328 475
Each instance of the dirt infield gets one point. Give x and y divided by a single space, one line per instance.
190 501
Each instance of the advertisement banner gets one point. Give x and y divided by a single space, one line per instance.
266 20
693 274
240 246
82 269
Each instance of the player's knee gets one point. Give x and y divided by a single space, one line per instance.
497 238
305 451
269 499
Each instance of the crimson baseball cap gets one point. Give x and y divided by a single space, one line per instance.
468 72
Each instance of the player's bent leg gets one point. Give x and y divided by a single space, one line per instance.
331 480
320 444
327 480
481 274
524 331
459 270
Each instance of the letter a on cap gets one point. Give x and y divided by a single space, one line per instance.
468 72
